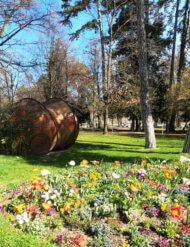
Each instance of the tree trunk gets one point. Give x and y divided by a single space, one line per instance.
186 147
133 124
171 125
183 41
105 114
144 87
174 45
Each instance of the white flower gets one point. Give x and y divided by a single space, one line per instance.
45 196
53 197
186 181
24 215
21 221
184 159
72 163
127 194
115 176
142 172
45 172
18 217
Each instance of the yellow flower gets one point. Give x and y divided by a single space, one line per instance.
175 163
67 206
46 206
35 170
176 205
67 177
46 187
163 207
62 210
122 229
98 174
82 200
20 208
134 188
143 162
77 203
125 244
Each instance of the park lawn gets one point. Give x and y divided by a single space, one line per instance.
91 146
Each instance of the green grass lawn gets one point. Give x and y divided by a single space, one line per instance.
91 146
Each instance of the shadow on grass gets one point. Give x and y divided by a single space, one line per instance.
104 152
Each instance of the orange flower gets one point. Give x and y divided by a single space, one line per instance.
154 183
175 212
40 180
84 163
117 163
172 171
38 187
79 172
143 162
95 162
167 174
164 167
67 206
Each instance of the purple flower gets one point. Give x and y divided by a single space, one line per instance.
152 211
163 242
59 239
2 209
163 187
50 211
5 192
145 230
16 192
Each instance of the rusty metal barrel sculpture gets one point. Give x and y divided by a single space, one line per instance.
52 125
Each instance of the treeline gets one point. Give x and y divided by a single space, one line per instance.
126 55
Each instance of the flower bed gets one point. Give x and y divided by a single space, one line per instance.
95 204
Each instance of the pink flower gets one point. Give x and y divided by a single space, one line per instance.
134 217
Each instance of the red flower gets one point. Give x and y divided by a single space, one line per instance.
154 183
164 167
175 212
26 194
79 172
78 239
146 179
145 205
185 229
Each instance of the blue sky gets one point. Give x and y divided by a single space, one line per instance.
78 45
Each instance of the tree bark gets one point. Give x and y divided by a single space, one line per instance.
183 41
174 45
144 87
186 147
105 114
171 124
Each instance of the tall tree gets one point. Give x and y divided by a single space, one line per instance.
105 13
144 87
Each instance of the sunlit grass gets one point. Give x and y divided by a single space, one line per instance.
123 147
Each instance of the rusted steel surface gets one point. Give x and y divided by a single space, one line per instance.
42 137
66 122
45 126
